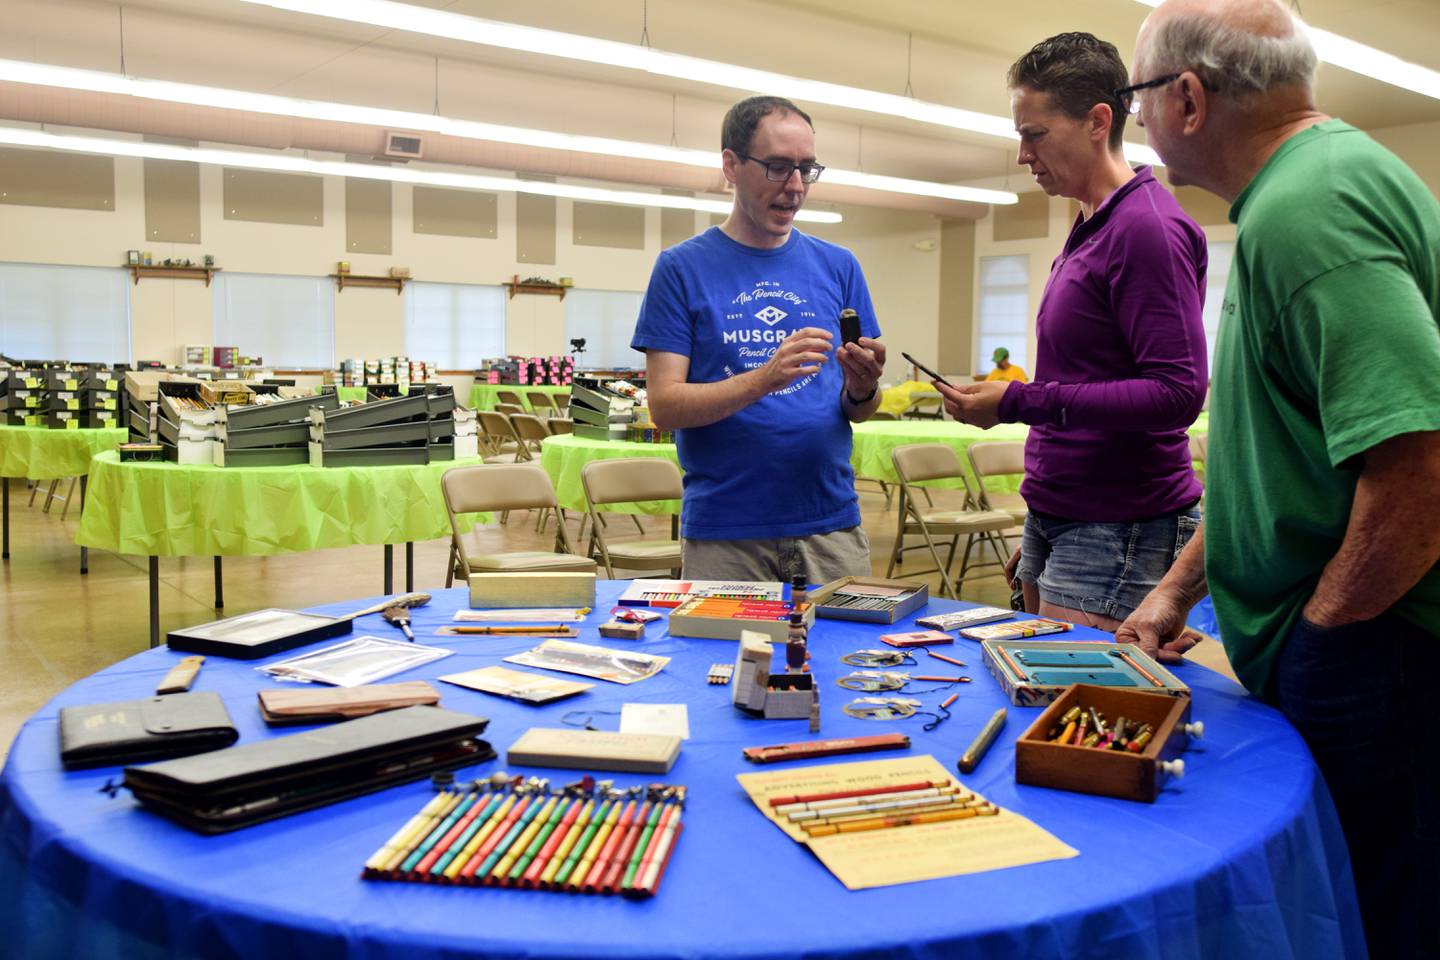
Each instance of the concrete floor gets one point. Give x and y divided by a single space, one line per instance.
57 626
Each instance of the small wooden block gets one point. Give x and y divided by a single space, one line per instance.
620 630
181 675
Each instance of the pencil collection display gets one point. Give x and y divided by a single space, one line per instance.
582 838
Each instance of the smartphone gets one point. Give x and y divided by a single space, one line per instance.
849 326
926 370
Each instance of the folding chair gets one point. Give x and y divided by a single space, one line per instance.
503 442
509 409
542 404
530 429
500 488
920 462
631 480
559 425
509 396
999 458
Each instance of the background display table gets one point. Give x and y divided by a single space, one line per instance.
563 457
347 394
482 395
39 453
1241 858
169 510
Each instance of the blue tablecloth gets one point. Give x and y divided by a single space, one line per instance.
1241 858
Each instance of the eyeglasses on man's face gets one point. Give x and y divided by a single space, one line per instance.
1126 96
780 170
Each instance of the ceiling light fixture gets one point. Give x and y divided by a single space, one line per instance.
494 33
291 163
1367 61
166 91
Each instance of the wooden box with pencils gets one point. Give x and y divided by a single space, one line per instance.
870 599
1127 746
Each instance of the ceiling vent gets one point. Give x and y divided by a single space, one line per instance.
404 146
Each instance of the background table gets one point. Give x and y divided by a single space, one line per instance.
482 395
347 394
1241 858
39 453
169 510
563 457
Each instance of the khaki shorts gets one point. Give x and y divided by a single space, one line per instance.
819 558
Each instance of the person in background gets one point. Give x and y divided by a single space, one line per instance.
1120 360
1004 369
1321 542
739 327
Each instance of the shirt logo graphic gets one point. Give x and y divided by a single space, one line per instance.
771 315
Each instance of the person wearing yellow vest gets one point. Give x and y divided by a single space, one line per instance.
1004 369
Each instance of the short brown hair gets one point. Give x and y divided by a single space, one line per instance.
1077 70
743 119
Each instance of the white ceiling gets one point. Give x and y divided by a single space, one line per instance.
960 53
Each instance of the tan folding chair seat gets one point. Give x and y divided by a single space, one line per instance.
509 409
559 425
500 488
631 480
917 463
530 429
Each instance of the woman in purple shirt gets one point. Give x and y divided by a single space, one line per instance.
1120 361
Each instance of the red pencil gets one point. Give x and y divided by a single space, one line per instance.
839 794
537 866
485 848
652 846
597 870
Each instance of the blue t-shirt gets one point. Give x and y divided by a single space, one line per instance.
781 466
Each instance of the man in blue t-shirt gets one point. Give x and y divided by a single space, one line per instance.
739 327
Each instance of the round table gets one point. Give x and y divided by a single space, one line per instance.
482 395
40 453
200 510
563 456
1241 858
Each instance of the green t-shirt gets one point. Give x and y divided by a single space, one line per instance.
1329 344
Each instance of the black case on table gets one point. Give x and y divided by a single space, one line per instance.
150 729
273 778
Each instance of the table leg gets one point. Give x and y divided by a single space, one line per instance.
84 551
389 569
409 566
5 496
154 602
219 587
674 526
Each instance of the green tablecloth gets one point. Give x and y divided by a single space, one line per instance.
565 455
165 509
482 395
874 440
347 394
39 453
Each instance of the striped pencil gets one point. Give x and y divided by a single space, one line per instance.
484 826
403 837
884 823
483 856
466 828
537 843
646 846
457 822
606 814
531 877
527 826
650 881
615 867
436 831
567 843
602 839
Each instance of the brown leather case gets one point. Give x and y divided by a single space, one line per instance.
283 707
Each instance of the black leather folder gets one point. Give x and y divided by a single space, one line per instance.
272 778
137 730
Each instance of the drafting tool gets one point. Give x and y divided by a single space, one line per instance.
543 630
181 676
877 658
974 753
399 615
1033 672
877 681
881 708
808 749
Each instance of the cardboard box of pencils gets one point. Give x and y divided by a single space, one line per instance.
835 602
718 618
1106 772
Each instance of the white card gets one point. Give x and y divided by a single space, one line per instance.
670 719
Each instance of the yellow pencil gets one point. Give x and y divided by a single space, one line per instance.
562 851
403 837
450 800
523 841
587 859
881 823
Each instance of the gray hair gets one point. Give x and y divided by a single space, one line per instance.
1235 61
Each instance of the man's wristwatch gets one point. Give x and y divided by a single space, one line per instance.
864 399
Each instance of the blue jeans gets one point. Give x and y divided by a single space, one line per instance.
1361 698
1101 568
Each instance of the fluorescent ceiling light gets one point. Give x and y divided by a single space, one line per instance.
41 74
629 56
290 163
1367 61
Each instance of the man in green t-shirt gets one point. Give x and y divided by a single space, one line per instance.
1322 506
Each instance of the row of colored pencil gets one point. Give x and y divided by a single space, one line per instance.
615 842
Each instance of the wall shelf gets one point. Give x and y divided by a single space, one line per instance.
540 288
343 280
174 273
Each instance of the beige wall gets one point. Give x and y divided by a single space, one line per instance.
1418 144
165 314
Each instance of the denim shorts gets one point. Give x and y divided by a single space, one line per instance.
1102 568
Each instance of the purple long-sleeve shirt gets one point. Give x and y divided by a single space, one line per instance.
1120 363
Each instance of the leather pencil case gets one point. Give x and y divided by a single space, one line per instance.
281 707
129 731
